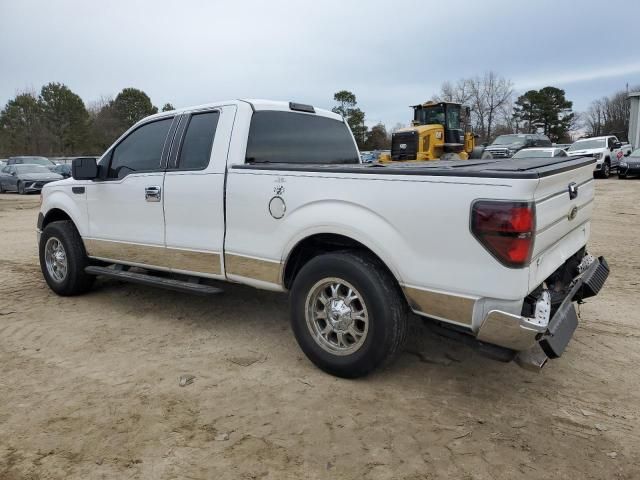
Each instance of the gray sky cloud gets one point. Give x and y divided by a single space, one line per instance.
390 54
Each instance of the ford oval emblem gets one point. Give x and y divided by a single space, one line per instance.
573 213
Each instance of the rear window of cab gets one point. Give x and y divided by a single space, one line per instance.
290 137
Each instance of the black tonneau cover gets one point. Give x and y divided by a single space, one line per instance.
489 168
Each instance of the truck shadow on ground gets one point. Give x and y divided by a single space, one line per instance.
246 315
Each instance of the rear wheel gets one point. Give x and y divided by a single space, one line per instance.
63 259
347 313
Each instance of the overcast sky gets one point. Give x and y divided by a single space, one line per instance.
391 54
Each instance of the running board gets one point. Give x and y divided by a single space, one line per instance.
154 281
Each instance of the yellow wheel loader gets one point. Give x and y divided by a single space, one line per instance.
439 131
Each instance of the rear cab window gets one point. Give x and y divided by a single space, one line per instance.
291 137
195 150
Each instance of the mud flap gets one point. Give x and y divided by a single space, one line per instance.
565 320
561 329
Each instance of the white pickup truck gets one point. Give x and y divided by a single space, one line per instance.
273 195
607 151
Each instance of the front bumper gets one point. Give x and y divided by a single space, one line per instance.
543 332
629 169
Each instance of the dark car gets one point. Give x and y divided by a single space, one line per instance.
31 160
630 165
25 178
505 146
63 169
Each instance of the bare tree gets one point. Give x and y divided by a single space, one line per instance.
490 98
609 115
497 92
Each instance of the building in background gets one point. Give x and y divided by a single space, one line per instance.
634 119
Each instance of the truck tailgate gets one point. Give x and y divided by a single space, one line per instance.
564 205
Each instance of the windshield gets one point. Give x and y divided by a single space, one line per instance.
533 154
508 140
587 144
430 116
31 169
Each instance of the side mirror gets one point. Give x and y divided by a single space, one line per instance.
617 144
84 169
14 173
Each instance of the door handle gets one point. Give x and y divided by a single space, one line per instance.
152 194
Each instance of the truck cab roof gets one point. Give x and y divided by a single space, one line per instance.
256 105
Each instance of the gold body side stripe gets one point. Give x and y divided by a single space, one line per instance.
248 267
155 256
441 305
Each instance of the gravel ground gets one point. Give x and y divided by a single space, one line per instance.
89 386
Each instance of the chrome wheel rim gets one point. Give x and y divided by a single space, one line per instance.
55 258
337 316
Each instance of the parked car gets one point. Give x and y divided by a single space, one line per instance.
606 150
368 157
505 146
63 169
540 153
31 160
25 178
630 166
273 195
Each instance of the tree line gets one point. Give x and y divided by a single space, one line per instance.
495 110
56 122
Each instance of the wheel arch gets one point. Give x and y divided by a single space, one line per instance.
318 243
55 215
58 205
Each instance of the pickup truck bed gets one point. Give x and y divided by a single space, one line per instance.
509 168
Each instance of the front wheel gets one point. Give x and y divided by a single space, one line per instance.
606 170
63 259
622 176
347 313
21 188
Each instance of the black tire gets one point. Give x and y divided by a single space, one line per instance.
21 188
76 281
606 169
384 302
1 188
622 176
480 153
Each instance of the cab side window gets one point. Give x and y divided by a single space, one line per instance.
195 151
141 151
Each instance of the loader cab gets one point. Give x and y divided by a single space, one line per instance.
450 115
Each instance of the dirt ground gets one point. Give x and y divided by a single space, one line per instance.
89 385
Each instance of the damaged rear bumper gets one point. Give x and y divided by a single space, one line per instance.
547 334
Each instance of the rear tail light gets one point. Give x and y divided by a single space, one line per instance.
505 229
